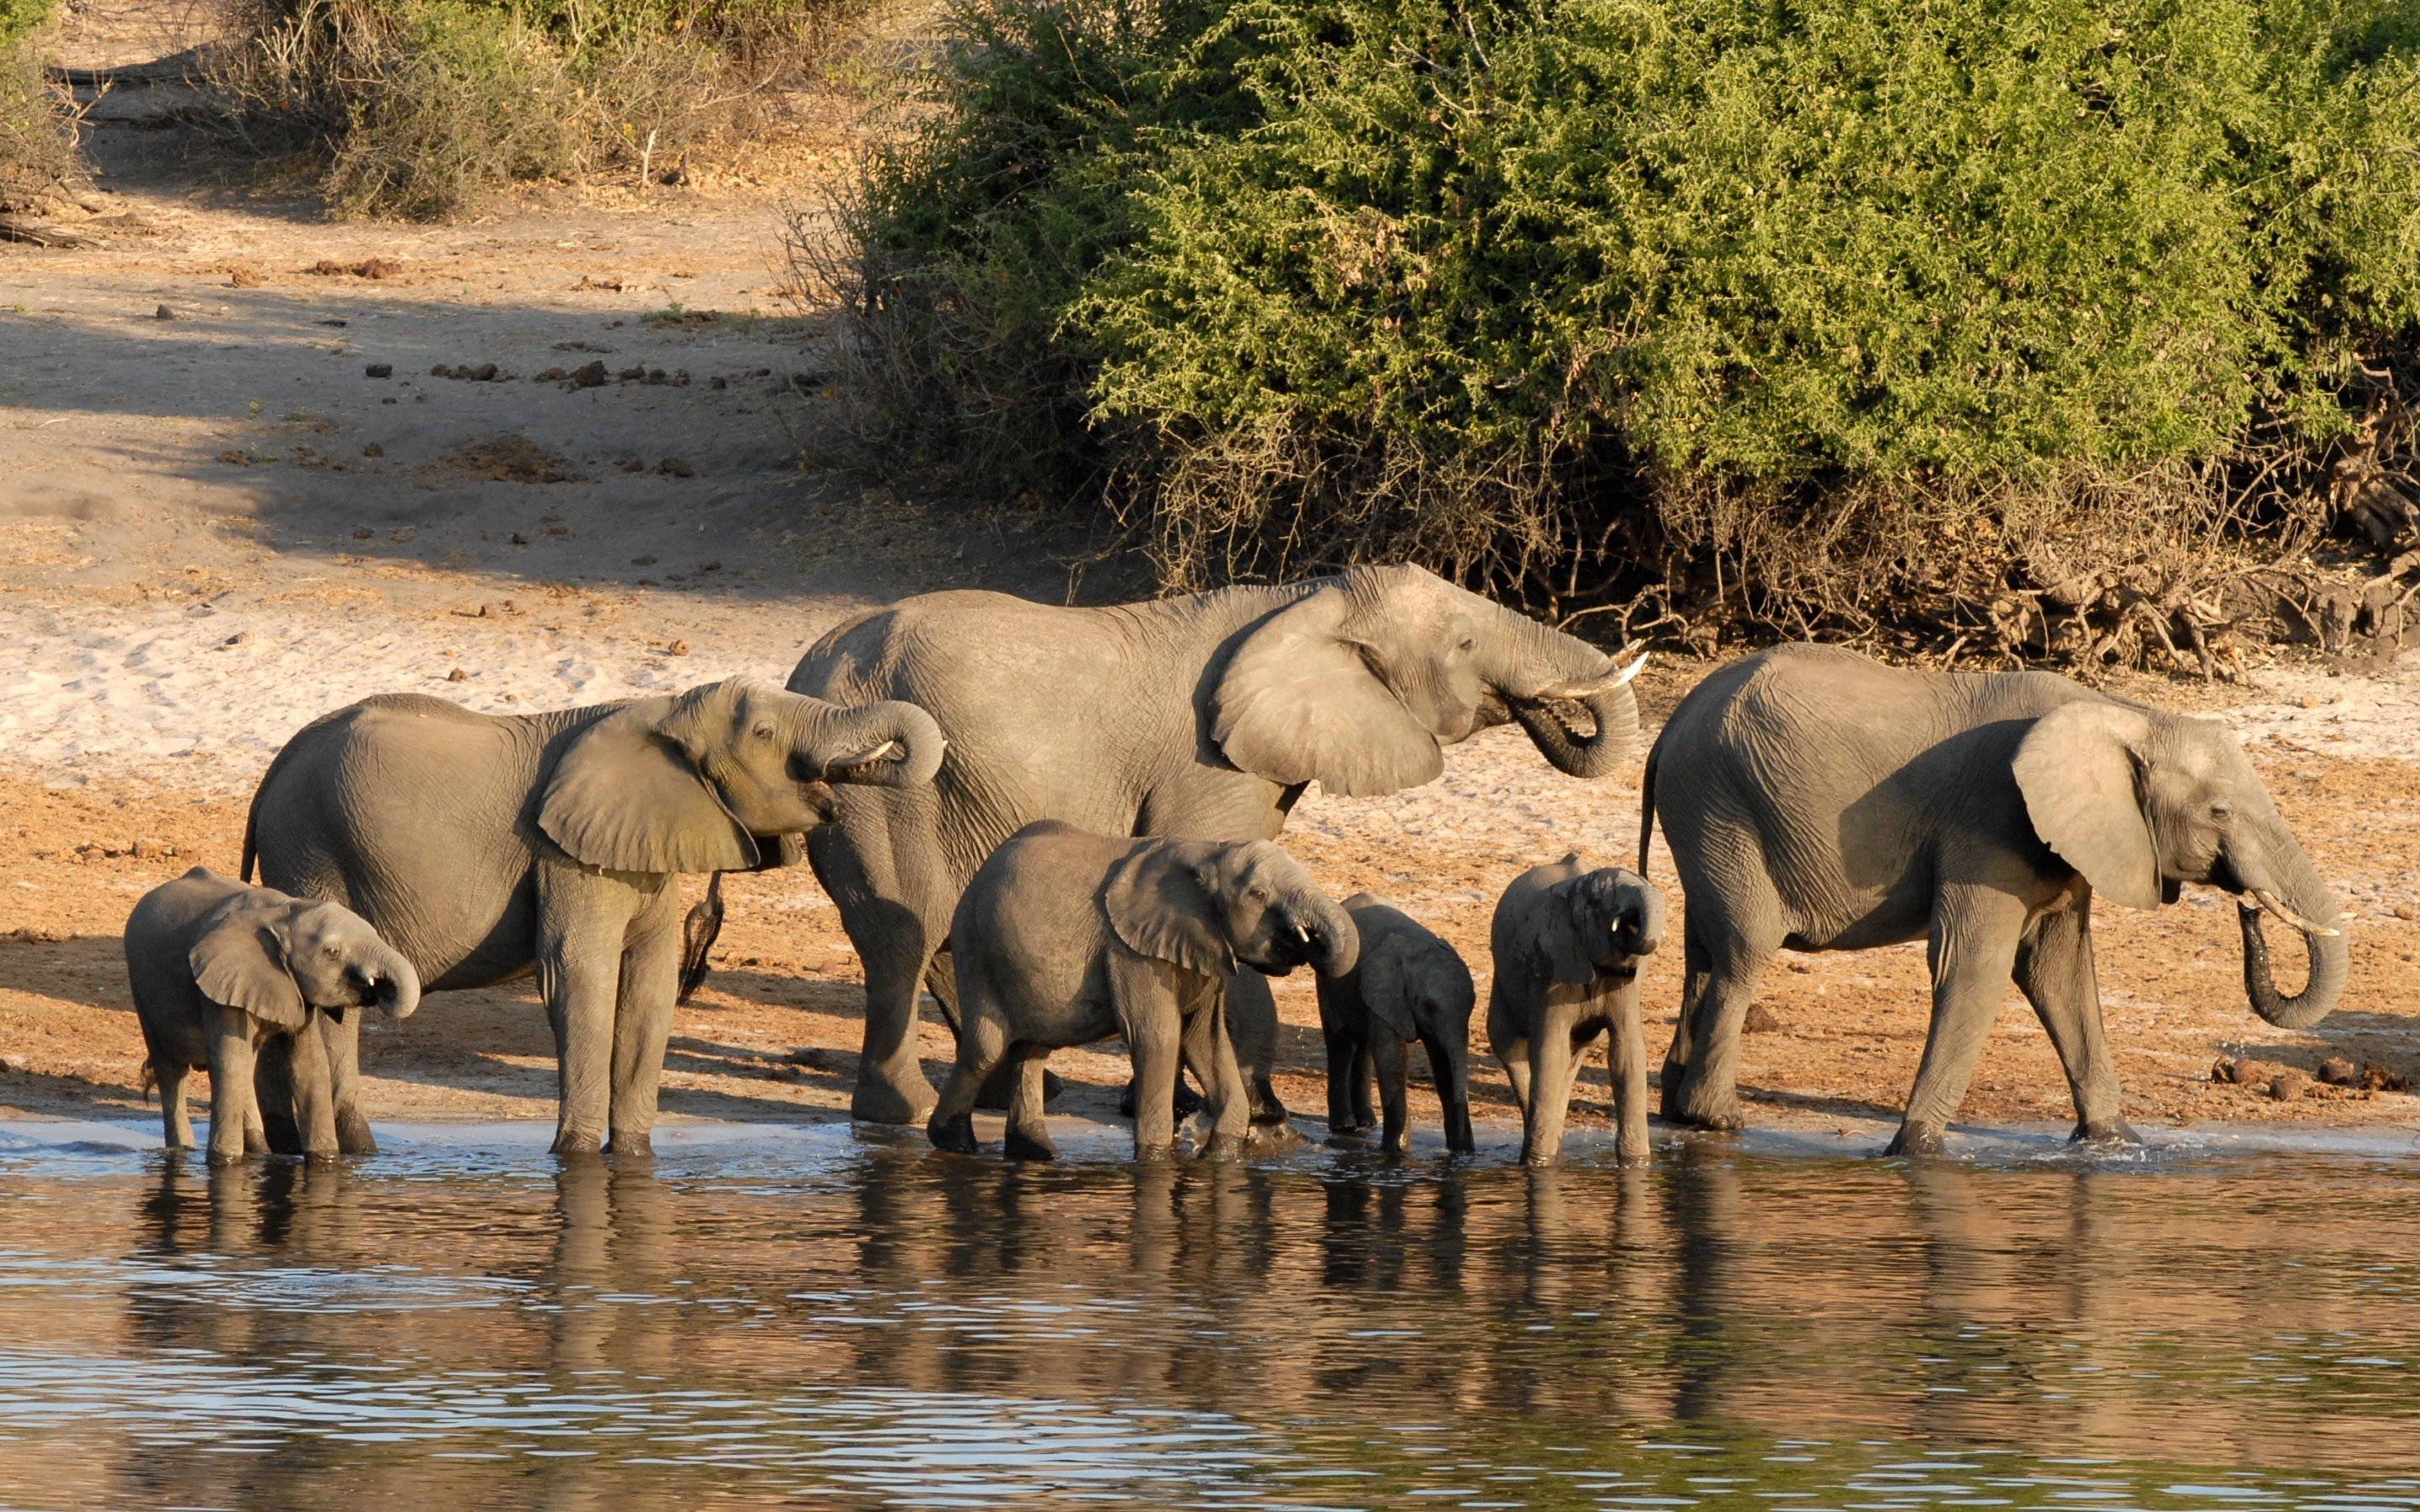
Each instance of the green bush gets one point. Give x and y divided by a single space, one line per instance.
20 17
1592 295
419 107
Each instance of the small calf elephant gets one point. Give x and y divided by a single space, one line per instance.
1567 941
1408 985
220 970
1064 937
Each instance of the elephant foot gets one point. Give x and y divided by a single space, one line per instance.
1266 1109
956 1136
639 1146
2113 1132
1915 1142
1705 1110
1222 1147
1272 1136
878 1102
1023 1145
1539 1159
572 1142
226 1157
353 1135
1153 1154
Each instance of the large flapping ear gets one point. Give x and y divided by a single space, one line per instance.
1298 702
627 796
1158 905
2078 769
238 962
1386 984
1557 942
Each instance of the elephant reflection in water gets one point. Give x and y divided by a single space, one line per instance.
613 1239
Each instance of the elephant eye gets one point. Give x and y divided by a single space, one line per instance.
2220 810
332 951
1469 643
764 731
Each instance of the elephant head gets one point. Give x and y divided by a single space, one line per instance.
1209 906
2140 802
1360 681
724 777
1595 923
1416 987
277 958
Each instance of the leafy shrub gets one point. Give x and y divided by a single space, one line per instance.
20 17
38 142
1778 313
418 107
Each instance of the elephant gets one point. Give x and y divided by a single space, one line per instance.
1065 937
1408 985
1202 716
1567 940
1818 800
486 846
219 970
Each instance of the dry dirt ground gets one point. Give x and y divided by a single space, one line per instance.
218 518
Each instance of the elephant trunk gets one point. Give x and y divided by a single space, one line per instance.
395 985
1549 668
877 745
1447 1068
1333 946
2287 884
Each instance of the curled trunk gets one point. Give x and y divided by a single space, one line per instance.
1548 671
2290 878
396 991
1335 945
878 745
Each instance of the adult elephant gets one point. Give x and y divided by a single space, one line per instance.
1818 800
1202 717
486 846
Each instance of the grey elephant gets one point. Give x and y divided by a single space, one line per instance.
1202 717
1818 800
220 970
1064 937
1407 986
486 846
1567 940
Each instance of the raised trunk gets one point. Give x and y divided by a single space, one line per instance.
2289 876
1540 663
878 745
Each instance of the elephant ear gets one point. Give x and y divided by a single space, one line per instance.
627 796
2078 770
1298 702
1557 947
238 962
1158 907
1387 980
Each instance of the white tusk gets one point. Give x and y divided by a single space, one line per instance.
2270 901
882 752
1632 671
1590 687
1302 934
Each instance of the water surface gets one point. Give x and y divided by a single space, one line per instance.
808 1317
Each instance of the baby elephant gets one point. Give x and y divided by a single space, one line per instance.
1409 985
1567 942
221 970
1065 937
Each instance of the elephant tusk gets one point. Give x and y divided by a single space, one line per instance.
885 752
2269 901
1590 687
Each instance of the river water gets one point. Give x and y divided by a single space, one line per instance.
816 1318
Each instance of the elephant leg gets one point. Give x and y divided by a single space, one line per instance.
1210 1054
1554 1065
1151 1038
583 921
1628 1057
1028 1132
982 1044
896 923
273 1103
1365 1068
230 1048
1253 1027
1343 1052
643 1022
1722 966
2055 971
315 1103
343 1043
1387 1056
1972 952
175 1127
256 1132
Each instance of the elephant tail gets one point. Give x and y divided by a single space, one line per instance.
1647 806
698 933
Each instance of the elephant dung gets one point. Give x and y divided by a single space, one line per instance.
2289 1085
1761 1020
2337 1072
